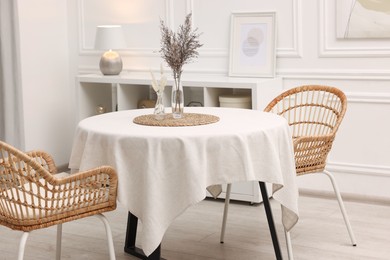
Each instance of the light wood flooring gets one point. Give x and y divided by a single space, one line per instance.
319 234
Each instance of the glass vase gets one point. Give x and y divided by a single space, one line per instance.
177 100
159 109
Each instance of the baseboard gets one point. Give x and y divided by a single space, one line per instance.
346 196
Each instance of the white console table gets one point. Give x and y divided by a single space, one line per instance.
124 91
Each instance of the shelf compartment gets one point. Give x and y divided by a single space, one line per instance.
91 96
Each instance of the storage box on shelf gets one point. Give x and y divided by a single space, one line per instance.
124 91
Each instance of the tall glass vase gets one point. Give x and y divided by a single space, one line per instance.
159 109
177 100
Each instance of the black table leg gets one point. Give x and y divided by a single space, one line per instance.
131 233
271 225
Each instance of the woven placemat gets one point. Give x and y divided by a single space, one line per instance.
188 119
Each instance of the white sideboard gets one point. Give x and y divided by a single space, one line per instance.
124 91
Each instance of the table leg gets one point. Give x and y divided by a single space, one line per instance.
271 225
130 248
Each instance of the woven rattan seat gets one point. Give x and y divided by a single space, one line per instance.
314 114
34 196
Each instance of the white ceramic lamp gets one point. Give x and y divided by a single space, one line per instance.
108 38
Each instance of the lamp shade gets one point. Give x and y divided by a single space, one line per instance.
109 37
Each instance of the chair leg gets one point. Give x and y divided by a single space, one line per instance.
22 245
59 241
342 208
289 245
225 212
109 235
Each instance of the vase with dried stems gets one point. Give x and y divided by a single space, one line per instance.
177 49
159 109
158 87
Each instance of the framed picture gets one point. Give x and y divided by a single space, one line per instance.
362 19
252 45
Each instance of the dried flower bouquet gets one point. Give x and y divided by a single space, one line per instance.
179 48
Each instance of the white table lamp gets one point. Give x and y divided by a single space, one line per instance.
110 37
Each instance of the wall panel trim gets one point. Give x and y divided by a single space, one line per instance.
359 169
346 74
295 51
368 97
85 50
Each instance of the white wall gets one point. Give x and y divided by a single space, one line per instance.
45 77
308 52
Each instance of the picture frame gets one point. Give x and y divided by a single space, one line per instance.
355 20
252 44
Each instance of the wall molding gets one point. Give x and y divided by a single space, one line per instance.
359 169
295 51
332 47
329 74
368 97
170 13
353 197
133 52
85 50
347 75
190 9
94 69
82 45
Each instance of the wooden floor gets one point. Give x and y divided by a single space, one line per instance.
319 234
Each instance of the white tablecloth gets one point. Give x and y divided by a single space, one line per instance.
164 170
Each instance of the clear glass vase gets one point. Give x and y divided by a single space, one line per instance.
159 109
177 100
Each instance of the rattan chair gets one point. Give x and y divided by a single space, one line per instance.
33 196
314 114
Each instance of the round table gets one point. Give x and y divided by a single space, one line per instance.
164 170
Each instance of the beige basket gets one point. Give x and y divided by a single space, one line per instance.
235 101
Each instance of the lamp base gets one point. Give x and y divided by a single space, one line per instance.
111 63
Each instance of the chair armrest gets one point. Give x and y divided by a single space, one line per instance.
44 159
310 140
97 182
44 200
311 152
86 175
